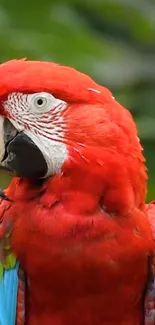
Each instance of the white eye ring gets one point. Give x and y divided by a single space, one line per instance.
43 102
40 102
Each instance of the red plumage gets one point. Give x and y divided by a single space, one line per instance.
82 236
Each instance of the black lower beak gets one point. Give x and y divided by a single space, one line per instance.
22 156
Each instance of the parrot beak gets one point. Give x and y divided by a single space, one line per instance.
19 155
9 133
3 143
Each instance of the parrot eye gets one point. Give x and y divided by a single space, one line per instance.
33 132
40 102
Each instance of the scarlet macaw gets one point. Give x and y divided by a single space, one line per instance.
74 214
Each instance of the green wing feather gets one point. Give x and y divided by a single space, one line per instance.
9 263
9 259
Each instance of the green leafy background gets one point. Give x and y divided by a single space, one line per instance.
111 40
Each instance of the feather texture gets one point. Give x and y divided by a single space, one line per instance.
82 235
8 296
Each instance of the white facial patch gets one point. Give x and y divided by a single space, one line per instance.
39 116
54 152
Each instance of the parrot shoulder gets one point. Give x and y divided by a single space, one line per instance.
7 258
151 216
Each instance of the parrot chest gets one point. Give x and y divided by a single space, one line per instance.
86 269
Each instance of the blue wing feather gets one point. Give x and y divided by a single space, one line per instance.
8 296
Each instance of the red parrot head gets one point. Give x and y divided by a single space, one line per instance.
54 116
38 101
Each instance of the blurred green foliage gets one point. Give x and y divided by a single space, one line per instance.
111 40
